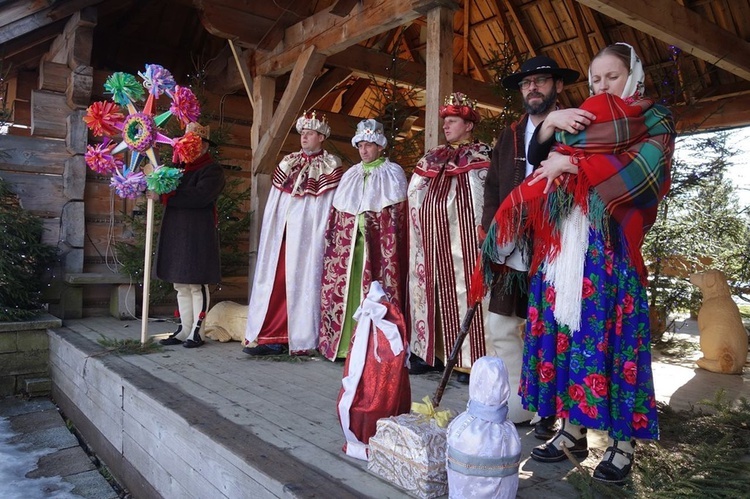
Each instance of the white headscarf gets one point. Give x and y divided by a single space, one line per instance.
636 75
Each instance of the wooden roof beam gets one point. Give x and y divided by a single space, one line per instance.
324 85
40 18
343 8
513 11
372 62
674 24
334 34
19 10
577 17
721 113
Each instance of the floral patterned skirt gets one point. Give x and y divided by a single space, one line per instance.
599 377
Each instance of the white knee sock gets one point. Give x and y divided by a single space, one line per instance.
185 307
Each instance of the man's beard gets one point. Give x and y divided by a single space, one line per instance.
543 107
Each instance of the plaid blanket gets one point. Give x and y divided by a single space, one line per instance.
623 159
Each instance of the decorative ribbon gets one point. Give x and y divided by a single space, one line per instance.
372 309
491 413
442 418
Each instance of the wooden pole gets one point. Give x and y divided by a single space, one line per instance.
147 268
453 357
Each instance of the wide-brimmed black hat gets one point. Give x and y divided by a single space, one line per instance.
537 65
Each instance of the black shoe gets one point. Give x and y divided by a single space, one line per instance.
463 378
171 339
548 453
198 341
606 471
546 428
270 349
419 366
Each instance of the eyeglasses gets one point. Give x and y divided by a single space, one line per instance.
539 81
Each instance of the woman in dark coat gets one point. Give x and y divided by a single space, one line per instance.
188 246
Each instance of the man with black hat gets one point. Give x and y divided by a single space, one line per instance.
540 80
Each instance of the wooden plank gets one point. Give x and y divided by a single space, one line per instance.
76 132
80 85
33 155
40 194
673 24
40 18
81 278
439 71
515 16
53 77
19 10
73 47
72 226
49 114
74 178
332 34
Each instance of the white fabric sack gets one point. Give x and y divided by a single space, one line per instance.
484 450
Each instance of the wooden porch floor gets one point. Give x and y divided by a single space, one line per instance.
279 417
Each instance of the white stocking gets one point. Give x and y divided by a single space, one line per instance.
185 307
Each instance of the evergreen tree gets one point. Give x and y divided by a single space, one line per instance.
23 259
700 225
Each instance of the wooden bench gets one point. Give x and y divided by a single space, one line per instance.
122 297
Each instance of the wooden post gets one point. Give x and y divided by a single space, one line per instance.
439 71
147 269
264 90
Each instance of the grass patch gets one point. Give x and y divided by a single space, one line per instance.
128 347
700 455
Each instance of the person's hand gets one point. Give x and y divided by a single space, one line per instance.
571 120
555 165
152 195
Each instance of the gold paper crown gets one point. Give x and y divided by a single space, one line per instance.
459 104
460 99
313 121
201 131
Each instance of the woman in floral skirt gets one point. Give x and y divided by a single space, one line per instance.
587 352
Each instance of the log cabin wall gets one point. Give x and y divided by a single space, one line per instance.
43 159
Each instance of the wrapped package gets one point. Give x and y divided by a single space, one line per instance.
376 379
409 451
484 450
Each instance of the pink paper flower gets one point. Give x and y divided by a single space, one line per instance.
129 186
184 105
99 158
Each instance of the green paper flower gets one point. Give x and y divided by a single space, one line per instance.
124 88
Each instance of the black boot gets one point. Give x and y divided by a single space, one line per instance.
551 452
195 342
172 338
419 366
608 471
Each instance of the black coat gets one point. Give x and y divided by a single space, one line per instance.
188 245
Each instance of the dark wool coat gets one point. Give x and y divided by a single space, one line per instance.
188 246
507 170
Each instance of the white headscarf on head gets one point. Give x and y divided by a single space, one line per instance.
636 75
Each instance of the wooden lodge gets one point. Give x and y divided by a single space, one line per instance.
259 64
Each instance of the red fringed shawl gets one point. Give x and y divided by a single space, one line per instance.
623 159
